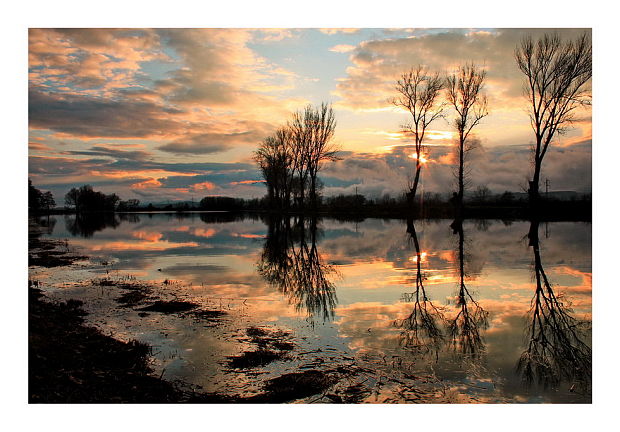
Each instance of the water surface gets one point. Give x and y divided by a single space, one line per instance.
488 312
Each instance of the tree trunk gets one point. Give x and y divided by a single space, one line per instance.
313 203
533 192
533 233
412 192
461 192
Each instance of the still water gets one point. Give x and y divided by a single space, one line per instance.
490 311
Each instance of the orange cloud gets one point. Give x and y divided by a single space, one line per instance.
147 246
247 182
203 186
148 236
248 236
147 184
201 232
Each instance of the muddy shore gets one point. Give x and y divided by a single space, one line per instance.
73 362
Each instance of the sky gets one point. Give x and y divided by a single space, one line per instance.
175 114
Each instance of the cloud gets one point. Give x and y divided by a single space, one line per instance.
343 48
203 186
377 64
146 184
219 69
334 31
88 116
90 59
206 143
148 111
114 153
500 168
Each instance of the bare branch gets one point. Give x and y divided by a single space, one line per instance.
557 75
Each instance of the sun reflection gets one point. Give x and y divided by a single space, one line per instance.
422 257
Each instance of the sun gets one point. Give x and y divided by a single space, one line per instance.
423 159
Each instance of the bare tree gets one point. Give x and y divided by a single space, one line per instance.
418 93
301 132
290 159
470 105
321 148
311 131
557 73
273 158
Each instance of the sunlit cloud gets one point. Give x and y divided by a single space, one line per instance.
343 48
156 114
150 183
334 31
203 186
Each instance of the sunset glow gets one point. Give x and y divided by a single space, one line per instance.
165 114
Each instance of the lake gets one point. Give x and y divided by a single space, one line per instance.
487 312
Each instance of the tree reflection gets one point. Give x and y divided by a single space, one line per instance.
464 328
46 224
556 350
86 224
422 327
292 263
129 217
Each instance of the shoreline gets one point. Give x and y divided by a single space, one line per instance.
70 361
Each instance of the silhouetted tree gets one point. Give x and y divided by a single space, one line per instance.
131 204
38 200
557 73
312 131
47 201
34 197
275 158
556 350
291 159
221 203
86 199
482 194
418 93
464 93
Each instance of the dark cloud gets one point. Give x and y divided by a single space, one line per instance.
73 166
209 142
97 117
135 155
